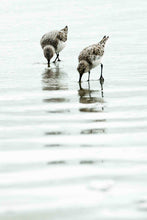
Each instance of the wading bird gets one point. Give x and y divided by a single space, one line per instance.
90 57
53 43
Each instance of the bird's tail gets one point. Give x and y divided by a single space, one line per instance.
104 39
65 29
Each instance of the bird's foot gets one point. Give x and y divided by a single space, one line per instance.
59 60
101 79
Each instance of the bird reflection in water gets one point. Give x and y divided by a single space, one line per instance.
53 79
95 103
88 96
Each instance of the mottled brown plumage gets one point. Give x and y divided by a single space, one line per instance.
54 41
90 57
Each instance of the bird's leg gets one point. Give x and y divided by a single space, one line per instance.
88 85
56 58
88 76
101 76
101 83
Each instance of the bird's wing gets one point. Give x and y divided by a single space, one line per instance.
95 49
49 38
90 51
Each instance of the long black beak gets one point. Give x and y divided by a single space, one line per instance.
48 63
80 77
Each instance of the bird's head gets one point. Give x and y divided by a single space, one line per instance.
82 68
49 52
62 35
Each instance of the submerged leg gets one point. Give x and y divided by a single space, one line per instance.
101 83
101 76
88 76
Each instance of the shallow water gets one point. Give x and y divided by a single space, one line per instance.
70 151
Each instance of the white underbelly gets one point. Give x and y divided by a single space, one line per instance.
96 60
60 46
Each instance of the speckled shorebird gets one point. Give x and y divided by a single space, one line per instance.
53 42
90 57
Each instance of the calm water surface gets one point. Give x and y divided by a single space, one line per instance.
70 151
